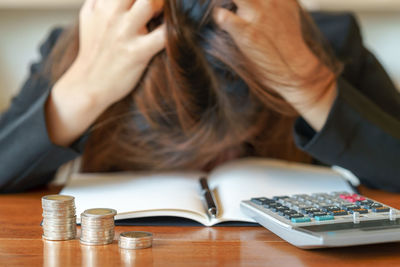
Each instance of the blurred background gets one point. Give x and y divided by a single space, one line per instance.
24 24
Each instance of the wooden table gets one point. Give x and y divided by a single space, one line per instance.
21 244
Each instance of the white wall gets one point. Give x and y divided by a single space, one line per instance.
381 32
21 32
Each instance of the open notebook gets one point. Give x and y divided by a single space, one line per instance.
137 195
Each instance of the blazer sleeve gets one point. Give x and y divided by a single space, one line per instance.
362 132
27 156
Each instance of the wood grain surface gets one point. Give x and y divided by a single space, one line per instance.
21 244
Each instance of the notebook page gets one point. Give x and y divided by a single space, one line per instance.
247 178
138 194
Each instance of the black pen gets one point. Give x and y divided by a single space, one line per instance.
208 196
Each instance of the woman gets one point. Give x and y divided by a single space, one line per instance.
230 82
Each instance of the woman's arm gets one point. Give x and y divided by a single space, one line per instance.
27 156
37 131
269 33
114 50
362 131
356 124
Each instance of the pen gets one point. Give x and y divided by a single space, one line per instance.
208 196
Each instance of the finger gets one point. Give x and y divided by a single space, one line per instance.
245 7
155 40
251 10
245 4
229 22
113 5
143 11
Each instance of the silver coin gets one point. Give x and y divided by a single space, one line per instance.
97 220
58 230
97 227
97 241
58 208
100 212
52 212
61 198
67 227
98 235
88 243
59 215
60 219
97 230
59 237
57 205
50 223
135 240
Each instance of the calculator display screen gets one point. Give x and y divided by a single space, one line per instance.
363 225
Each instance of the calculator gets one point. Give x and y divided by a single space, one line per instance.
325 219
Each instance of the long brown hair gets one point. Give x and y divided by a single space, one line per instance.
199 102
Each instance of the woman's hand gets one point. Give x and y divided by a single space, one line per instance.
114 50
269 33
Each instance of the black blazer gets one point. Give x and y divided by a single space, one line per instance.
362 133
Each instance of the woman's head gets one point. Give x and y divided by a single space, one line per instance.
199 101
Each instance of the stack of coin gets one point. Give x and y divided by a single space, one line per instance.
135 240
59 219
97 226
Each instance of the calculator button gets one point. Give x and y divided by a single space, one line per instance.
338 212
350 207
361 211
309 202
279 208
291 203
317 214
261 200
366 202
310 210
296 215
324 218
375 205
272 205
300 207
279 197
340 203
300 220
329 201
344 196
330 208
352 198
381 209
288 212
321 204
372 205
